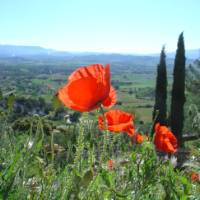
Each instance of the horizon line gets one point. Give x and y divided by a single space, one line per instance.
94 52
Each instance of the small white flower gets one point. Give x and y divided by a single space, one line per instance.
173 161
166 157
193 158
30 144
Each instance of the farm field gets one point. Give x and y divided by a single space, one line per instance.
49 151
37 78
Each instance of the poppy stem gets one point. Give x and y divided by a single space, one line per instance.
104 118
153 124
105 138
52 148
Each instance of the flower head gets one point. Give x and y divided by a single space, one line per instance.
110 164
195 177
117 121
164 139
138 138
88 88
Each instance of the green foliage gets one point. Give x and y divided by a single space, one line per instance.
56 103
25 124
10 101
192 122
28 172
193 79
178 92
192 108
45 159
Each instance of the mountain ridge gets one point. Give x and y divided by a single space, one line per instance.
24 51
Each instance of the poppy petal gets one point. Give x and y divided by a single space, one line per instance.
157 126
63 96
164 139
117 121
111 99
168 147
139 138
87 88
96 71
130 131
86 92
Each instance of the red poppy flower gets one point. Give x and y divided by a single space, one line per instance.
110 164
88 88
195 177
117 121
164 139
138 138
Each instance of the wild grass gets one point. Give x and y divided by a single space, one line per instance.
71 163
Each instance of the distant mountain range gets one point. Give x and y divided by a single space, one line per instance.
17 51
190 54
37 51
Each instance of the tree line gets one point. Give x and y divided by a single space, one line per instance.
175 119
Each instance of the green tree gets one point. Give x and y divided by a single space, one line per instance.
160 107
192 116
178 92
193 82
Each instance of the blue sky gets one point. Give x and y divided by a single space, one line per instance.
125 26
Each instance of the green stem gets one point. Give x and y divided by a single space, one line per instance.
104 118
103 154
153 124
52 148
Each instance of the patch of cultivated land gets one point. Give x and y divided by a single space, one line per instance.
41 78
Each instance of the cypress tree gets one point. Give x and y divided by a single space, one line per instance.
178 92
160 107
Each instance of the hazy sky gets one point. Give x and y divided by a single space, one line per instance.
126 26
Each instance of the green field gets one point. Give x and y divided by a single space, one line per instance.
43 78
